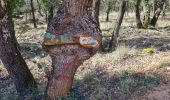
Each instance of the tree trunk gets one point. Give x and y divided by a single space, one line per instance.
26 16
33 14
147 9
154 6
97 10
165 8
115 34
39 8
26 12
46 16
127 8
137 10
67 55
159 8
11 57
108 11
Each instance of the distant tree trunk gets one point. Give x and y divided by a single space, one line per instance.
39 8
127 8
158 9
115 34
97 10
137 11
147 9
74 19
165 8
108 10
26 16
153 5
33 14
11 57
26 13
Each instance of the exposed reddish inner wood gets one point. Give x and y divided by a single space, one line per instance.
73 17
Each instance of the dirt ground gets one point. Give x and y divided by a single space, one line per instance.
161 92
138 70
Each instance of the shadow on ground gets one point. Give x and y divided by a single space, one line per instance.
99 85
120 86
161 44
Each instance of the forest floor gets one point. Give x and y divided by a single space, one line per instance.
139 69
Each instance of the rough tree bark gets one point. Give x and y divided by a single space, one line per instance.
159 5
137 11
11 57
115 34
97 10
33 14
73 18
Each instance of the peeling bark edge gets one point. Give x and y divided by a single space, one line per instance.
73 17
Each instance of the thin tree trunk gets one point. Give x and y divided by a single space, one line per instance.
33 14
127 8
46 16
39 8
76 21
137 10
11 57
108 11
147 9
115 34
165 8
26 13
97 11
154 7
159 8
155 18
26 16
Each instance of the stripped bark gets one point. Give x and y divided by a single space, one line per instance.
73 17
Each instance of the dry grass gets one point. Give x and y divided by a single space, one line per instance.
128 72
